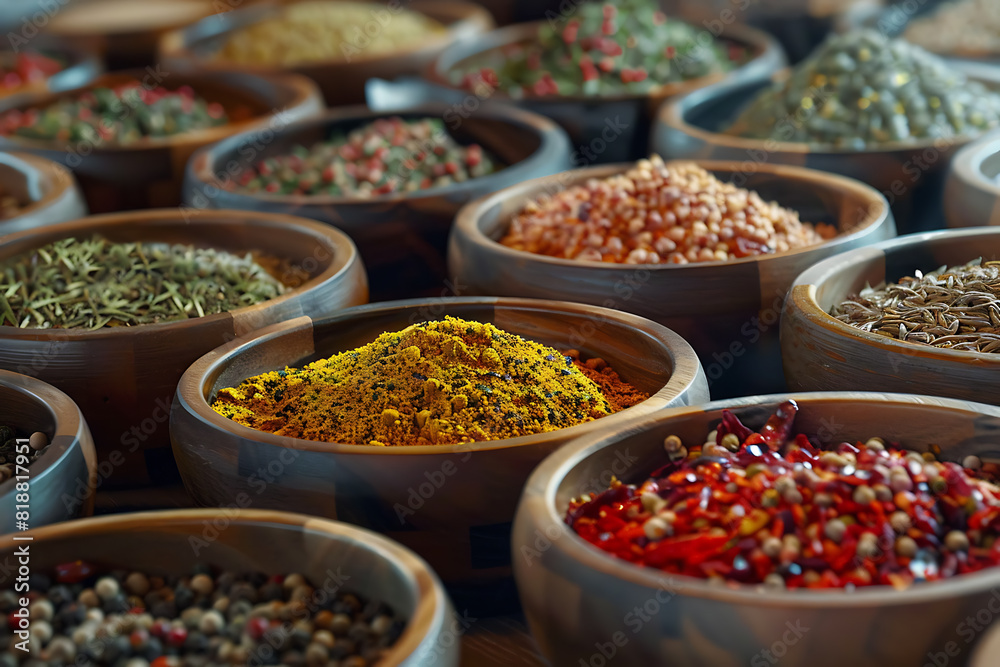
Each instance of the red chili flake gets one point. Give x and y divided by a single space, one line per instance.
75 572
608 27
670 51
256 627
570 32
606 64
609 47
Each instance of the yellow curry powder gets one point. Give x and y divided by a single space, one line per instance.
443 382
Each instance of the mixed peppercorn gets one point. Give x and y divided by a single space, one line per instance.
863 89
772 507
9 450
26 67
80 616
604 48
385 156
120 115
658 213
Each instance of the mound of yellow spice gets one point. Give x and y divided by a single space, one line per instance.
443 382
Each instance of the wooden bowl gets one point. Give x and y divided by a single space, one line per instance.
822 353
403 236
459 522
47 190
149 172
124 378
910 175
122 42
972 191
728 311
342 82
61 481
574 594
329 554
605 129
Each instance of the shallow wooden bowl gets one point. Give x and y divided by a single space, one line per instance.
149 172
909 175
332 556
48 191
972 191
402 236
452 504
602 129
728 311
582 602
342 82
124 378
61 481
823 353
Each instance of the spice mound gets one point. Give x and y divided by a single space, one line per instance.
337 31
603 48
14 453
25 68
953 307
659 213
436 383
83 615
94 283
121 115
862 89
385 156
772 507
964 27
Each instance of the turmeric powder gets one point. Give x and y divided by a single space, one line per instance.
444 382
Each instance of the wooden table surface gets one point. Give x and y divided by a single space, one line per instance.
490 641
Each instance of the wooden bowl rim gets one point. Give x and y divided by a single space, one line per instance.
301 88
69 433
967 165
171 45
431 602
53 175
468 218
685 370
345 256
758 42
802 296
672 116
208 11
202 166
538 502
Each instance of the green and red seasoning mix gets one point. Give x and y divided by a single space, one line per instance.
603 48
771 507
385 156
121 115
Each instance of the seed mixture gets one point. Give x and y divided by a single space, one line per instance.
955 307
772 507
94 283
13 455
436 383
604 48
26 67
338 31
961 28
862 89
121 115
659 213
83 616
385 156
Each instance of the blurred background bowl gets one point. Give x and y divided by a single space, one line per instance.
461 525
149 172
46 192
244 540
822 353
910 175
402 236
728 311
80 65
124 378
972 191
61 479
342 82
576 596
612 128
